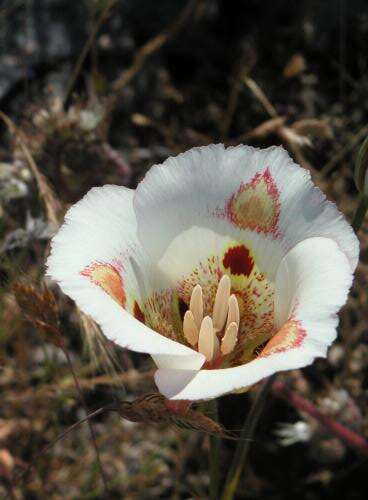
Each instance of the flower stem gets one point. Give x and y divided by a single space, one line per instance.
360 212
244 444
89 423
214 454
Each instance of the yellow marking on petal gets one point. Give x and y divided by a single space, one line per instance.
290 336
196 305
208 343
233 315
221 305
256 205
108 278
191 332
229 339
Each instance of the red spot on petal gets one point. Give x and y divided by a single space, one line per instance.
238 260
138 314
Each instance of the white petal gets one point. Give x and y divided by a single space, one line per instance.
202 187
207 384
312 284
101 230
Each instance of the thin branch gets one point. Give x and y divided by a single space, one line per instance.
52 204
261 96
360 213
149 48
285 133
351 438
89 423
87 48
61 436
355 140
246 439
214 454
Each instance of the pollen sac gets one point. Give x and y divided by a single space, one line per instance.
229 339
221 306
233 315
208 343
190 330
196 305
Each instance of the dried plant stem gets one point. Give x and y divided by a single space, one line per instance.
246 438
283 132
61 436
351 438
89 423
87 47
214 454
360 213
153 45
354 141
52 204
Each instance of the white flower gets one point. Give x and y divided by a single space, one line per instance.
299 432
240 238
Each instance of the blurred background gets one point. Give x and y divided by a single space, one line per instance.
97 91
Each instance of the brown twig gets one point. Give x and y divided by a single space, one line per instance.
53 206
355 140
89 423
40 309
150 47
52 443
246 438
285 133
261 96
351 438
87 47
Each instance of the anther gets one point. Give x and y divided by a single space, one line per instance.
229 339
196 305
208 343
233 315
221 303
190 330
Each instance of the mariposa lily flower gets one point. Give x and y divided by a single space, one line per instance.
225 265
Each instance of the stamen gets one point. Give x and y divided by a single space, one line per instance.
190 330
196 305
208 343
221 303
233 315
229 339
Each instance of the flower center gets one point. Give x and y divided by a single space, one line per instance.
215 336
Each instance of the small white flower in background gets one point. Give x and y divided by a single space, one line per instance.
226 265
299 432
